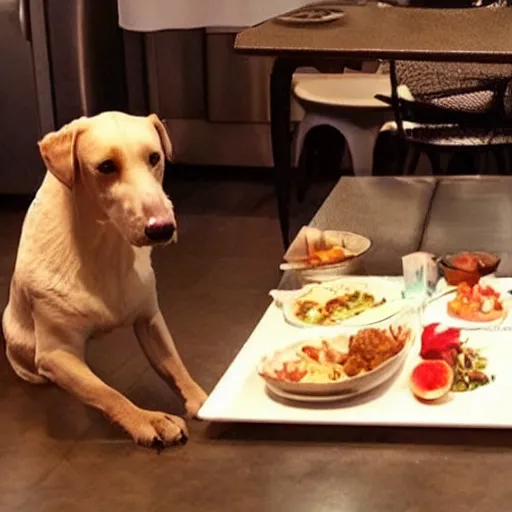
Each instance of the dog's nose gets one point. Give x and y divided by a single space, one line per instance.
159 231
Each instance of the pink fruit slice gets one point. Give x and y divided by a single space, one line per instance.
431 379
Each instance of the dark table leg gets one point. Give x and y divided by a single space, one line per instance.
280 97
280 94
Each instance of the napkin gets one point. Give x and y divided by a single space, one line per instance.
420 274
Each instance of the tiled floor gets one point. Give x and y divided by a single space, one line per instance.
57 455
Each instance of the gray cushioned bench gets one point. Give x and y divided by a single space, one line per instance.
472 213
402 215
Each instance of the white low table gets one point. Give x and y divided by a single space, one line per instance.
241 396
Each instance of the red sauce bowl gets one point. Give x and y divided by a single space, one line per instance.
457 268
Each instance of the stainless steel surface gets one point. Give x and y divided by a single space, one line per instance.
86 56
176 73
41 66
24 19
21 168
62 59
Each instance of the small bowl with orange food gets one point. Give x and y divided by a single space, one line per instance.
468 267
318 256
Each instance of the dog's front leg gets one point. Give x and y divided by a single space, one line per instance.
158 345
60 359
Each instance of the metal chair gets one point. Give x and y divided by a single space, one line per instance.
451 108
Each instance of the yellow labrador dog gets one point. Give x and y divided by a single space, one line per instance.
84 267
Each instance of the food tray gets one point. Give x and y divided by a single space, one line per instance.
241 394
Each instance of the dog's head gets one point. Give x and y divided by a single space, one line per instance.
119 161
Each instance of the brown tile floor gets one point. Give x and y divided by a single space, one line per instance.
57 455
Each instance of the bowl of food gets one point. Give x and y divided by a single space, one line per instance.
319 256
341 366
468 267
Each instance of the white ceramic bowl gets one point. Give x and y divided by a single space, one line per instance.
355 243
352 386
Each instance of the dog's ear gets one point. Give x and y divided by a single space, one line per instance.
58 151
164 136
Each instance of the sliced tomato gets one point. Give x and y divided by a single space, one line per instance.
330 254
472 299
488 291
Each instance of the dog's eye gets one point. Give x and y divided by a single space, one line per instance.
154 158
107 167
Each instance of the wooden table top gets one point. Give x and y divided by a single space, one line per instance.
391 33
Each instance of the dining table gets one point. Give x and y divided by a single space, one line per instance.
366 31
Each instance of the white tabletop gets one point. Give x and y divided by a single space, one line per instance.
241 396
152 15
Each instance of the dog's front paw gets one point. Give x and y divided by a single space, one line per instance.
194 402
158 430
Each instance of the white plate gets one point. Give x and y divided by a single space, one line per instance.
294 397
437 311
241 396
379 288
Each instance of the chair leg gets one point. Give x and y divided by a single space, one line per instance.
304 135
462 163
303 174
483 162
507 155
435 162
501 157
361 143
410 162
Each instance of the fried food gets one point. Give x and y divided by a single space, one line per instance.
326 363
334 254
369 348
